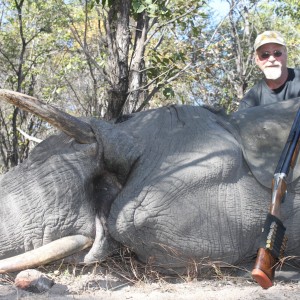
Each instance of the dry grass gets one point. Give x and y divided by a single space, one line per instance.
6 279
123 276
290 261
125 269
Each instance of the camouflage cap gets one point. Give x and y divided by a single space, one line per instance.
268 37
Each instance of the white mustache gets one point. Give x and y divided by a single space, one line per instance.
273 65
273 71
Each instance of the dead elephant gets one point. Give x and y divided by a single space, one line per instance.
175 184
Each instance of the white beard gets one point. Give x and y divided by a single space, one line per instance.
272 73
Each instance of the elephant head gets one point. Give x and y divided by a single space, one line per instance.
177 184
65 187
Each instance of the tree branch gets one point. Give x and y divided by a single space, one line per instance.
28 137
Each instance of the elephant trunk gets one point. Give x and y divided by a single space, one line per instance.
48 253
79 130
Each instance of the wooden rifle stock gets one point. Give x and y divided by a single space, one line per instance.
264 268
273 240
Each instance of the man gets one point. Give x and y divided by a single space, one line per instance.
279 83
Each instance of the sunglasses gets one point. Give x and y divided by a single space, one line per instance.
267 54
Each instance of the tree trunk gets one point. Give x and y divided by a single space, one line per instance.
118 39
137 64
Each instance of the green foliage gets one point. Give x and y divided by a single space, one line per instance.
168 92
27 37
153 8
287 8
61 52
224 68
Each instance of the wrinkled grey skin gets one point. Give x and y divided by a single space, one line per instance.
173 184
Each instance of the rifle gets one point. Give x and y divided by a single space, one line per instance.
273 239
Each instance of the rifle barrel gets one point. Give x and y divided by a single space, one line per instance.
284 162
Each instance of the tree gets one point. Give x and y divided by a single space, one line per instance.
134 33
24 46
225 68
109 58
90 58
288 12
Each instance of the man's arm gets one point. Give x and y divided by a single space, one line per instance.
249 100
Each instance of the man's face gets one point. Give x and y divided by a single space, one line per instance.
271 59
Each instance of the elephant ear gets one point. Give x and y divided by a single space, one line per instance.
120 149
263 131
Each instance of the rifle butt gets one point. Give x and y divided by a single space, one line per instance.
264 268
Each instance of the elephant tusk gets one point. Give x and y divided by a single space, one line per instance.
70 125
48 253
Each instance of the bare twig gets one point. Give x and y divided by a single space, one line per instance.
29 137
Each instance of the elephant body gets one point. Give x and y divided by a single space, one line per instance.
178 185
185 199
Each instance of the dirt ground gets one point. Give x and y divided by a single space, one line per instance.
100 283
